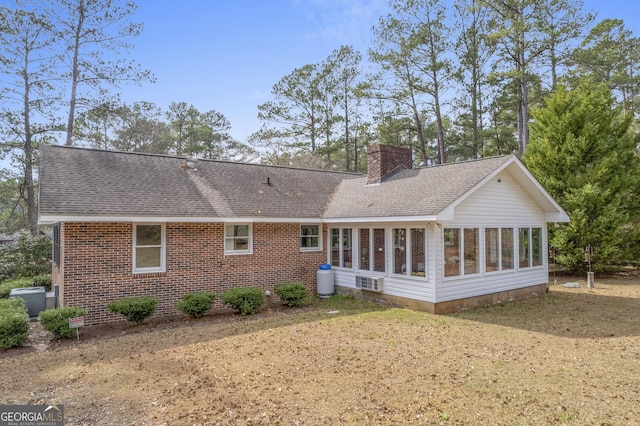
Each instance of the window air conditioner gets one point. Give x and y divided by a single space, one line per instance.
369 283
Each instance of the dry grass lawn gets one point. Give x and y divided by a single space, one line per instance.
570 357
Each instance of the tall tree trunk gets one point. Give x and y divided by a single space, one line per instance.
75 73
440 125
523 130
525 113
346 130
474 113
28 155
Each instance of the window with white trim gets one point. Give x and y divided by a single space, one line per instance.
499 247
461 251
341 247
409 255
237 238
149 247
310 238
530 247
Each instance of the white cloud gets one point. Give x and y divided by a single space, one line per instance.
343 21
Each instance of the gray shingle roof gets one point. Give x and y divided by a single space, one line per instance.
90 184
418 192
85 182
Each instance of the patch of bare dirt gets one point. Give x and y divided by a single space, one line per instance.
570 357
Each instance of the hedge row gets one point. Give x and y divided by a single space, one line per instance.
14 320
37 281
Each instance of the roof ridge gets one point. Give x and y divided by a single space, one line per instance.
180 157
471 160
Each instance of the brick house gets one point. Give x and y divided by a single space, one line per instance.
439 238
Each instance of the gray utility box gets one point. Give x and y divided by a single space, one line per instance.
34 298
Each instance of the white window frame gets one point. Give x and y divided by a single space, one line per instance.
500 249
461 246
342 235
163 248
318 236
407 271
529 248
249 249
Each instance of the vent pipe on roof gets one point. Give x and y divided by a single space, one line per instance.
268 182
190 164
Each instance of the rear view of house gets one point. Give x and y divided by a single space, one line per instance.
439 238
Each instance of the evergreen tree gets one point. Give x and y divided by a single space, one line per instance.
584 153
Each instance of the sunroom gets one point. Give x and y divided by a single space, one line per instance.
450 236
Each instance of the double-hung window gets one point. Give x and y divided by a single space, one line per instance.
310 238
237 238
148 247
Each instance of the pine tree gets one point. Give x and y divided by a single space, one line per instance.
584 153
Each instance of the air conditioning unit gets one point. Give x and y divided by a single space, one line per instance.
369 283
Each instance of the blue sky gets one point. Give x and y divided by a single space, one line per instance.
227 55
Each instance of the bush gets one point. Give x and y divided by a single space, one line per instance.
57 320
27 257
292 294
15 303
196 304
134 309
42 281
246 300
14 323
7 286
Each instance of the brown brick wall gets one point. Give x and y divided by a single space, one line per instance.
97 266
382 159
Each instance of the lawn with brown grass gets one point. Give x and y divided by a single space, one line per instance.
569 357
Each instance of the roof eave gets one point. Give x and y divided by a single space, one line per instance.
46 219
383 219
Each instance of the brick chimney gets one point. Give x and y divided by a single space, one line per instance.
383 159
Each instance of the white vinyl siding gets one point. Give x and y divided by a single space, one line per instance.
499 203
502 205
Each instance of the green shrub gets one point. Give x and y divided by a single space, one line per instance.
196 304
14 323
245 300
15 303
292 294
57 320
134 309
7 286
27 257
42 281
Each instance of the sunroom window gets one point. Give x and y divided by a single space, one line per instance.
148 247
409 251
530 247
372 249
498 249
461 251
341 247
